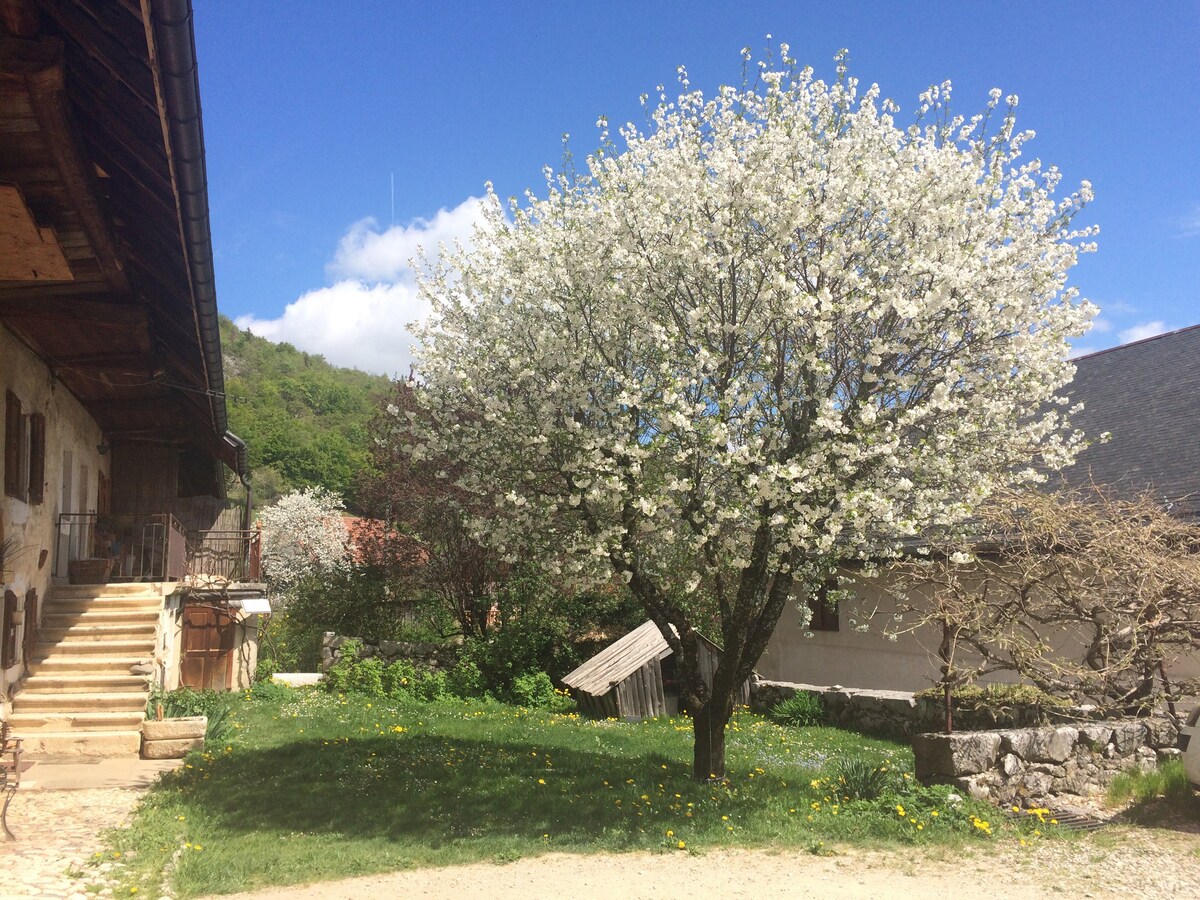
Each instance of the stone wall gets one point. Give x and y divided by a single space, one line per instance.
902 714
432 657
891 713
1036 764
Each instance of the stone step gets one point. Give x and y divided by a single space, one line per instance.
101 720
85 682
100 617
86 665
36 702
125 589
117 604
122 631
139 648
112 743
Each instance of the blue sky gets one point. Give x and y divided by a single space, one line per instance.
310 109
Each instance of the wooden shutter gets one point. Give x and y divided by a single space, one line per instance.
29 637
14 445
8 634
37 457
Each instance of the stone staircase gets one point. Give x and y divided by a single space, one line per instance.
80 698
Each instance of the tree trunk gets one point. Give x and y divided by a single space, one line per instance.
708 756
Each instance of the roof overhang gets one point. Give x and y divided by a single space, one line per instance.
105 253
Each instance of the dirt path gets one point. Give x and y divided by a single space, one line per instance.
1120 863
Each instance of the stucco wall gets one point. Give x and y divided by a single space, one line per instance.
68 428
868 659
849 657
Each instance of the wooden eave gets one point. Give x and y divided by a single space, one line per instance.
84 142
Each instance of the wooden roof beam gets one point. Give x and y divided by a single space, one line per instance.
51 108
124 362
28 303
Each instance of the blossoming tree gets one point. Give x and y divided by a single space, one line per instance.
773 331
303 534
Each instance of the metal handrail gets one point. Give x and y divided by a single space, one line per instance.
102 546
230 555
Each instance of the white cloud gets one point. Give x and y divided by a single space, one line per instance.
1101 325
367 253
1142 331
351 324
363 319
1189 223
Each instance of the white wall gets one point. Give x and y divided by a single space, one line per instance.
868 659
68 428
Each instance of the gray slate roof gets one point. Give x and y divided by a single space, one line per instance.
1147 395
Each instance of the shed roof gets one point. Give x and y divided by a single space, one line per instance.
619 660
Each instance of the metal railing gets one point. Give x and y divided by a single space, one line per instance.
98 547
226 555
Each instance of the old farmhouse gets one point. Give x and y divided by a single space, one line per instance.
119 549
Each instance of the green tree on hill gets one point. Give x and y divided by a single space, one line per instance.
305 421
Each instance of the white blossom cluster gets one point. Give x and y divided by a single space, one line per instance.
776 326
303 534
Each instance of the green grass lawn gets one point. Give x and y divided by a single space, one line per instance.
322 786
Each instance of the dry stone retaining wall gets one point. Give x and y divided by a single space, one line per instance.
900 714
1036 764
434 657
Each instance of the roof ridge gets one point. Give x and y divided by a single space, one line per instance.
1153 337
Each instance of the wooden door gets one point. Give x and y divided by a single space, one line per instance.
208 648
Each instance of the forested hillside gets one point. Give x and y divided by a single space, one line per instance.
305 421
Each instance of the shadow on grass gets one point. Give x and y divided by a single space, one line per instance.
432 789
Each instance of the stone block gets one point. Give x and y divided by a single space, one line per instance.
171 749
389 648
1011 764
962 753
1161 733
1095 736
188 727
1052 745
1017 742
1036 784
1128 736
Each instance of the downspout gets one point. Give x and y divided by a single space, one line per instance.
243 473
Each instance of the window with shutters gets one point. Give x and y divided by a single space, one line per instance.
825 613
24 451
16 448
8 631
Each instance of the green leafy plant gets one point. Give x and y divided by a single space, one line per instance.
862 779
1168 783
802 709
184 702
220 726
984 706
536 690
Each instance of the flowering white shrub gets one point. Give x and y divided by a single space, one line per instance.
303 534
774 331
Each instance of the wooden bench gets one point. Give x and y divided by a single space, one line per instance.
10 773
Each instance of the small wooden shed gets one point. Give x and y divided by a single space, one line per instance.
634 678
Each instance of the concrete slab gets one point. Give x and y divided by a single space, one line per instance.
74 774
298 679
